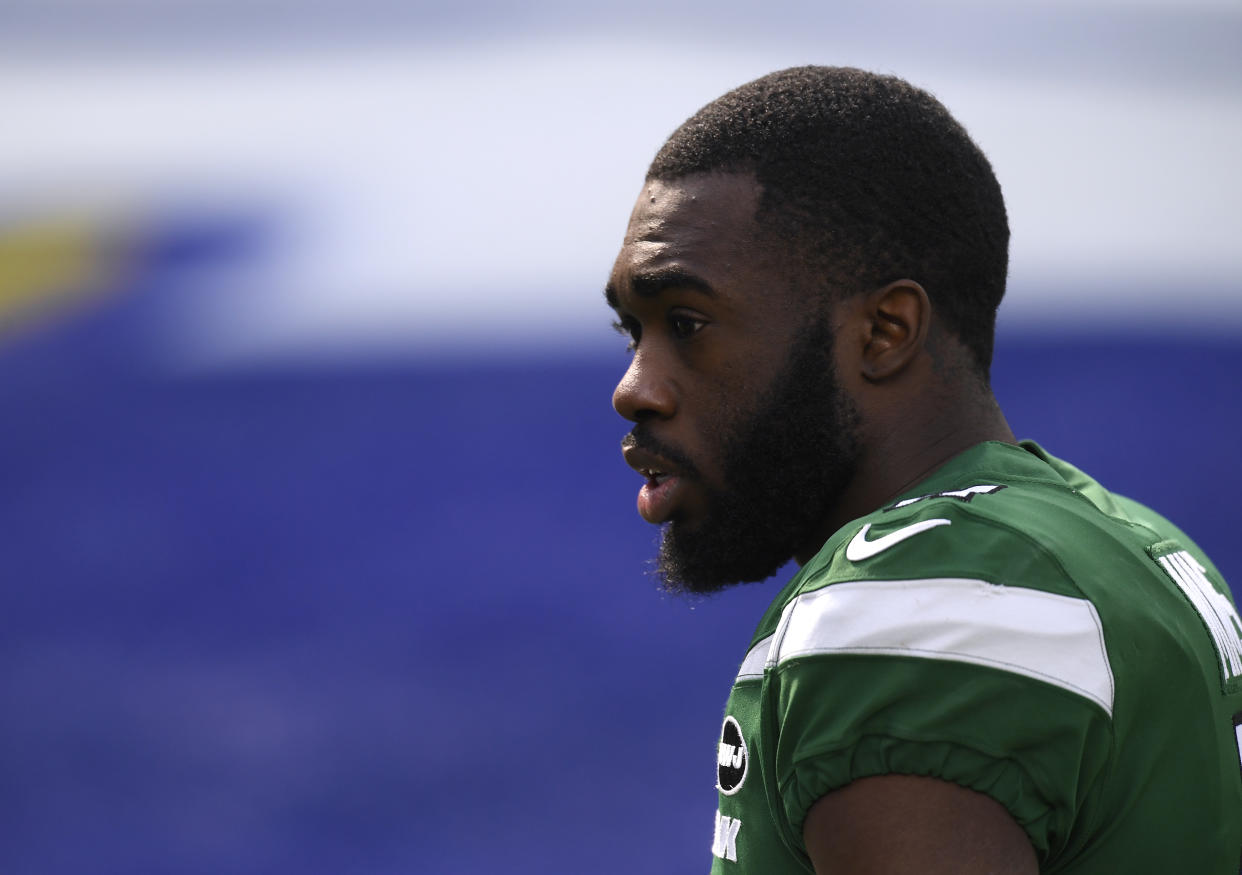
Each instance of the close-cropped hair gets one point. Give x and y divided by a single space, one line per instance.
868 180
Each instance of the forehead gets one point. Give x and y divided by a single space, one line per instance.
700 226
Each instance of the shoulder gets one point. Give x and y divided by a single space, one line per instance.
940 637
988 573
1006 533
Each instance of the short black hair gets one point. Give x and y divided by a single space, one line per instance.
870 179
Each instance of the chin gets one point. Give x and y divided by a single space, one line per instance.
694 560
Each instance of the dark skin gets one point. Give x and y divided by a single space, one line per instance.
712 308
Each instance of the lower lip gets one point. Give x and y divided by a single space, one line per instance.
656 501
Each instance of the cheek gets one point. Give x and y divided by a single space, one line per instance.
723 402
749 370
740 389
720 419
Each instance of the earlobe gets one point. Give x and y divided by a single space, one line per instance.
898 319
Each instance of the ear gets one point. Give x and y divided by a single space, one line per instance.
897 319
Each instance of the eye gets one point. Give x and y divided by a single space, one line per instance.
684 326
628 327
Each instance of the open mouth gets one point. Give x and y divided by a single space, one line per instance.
659 496
654 476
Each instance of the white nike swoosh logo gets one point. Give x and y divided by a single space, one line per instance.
860 548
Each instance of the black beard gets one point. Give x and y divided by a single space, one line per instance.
785 465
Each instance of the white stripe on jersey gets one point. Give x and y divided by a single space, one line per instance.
1053 638
756 658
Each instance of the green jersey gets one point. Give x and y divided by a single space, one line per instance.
1010 626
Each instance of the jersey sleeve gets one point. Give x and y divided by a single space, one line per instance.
962 656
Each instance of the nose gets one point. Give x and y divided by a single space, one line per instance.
643 393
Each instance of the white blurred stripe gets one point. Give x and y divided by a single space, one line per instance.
461 195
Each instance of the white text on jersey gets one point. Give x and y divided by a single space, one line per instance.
1217 611
724 844
960 494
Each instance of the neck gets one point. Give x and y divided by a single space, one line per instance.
902 449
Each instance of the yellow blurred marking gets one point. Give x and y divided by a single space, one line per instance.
47 266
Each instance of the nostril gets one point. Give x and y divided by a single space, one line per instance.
643 393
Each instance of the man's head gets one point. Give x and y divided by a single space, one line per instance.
866 179
771 273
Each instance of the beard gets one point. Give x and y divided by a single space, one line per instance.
785 463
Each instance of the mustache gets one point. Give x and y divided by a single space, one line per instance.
640 438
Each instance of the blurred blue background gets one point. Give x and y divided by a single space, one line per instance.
316 549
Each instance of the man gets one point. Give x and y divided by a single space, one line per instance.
987 662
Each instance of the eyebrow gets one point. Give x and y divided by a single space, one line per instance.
652 283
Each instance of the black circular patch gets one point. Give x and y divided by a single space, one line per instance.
731 758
